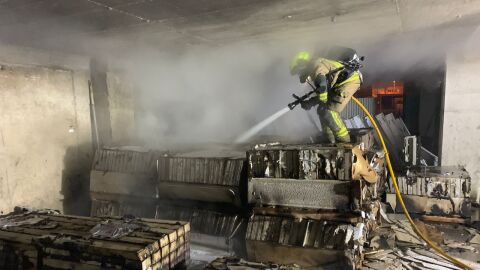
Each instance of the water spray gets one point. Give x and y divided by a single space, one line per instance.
258 127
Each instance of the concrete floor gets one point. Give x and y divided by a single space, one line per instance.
202 255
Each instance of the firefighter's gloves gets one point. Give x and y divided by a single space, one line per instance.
309 103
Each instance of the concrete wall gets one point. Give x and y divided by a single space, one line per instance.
45 130
461 123
122 108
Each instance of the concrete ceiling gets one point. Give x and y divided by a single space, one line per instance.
62 24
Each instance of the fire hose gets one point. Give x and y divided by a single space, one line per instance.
400 199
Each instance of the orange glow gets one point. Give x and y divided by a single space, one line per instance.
387 89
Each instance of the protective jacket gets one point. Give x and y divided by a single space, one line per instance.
341 82
336 84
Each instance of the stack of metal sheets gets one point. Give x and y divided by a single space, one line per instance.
39 239
123 182
308 205
214 180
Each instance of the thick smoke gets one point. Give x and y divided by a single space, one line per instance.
206 95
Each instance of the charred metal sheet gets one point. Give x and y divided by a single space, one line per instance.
302 233
392 138
127 184
432 206
312 214
365 136
125 161
442 191
435 182
286 235
411 147
211 171
121 207
122 182
199 192
318 194
202 221
301 162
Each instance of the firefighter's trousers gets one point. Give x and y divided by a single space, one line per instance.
329 113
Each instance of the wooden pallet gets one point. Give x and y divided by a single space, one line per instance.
51 241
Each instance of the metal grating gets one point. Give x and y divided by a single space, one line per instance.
352 109
213 171
124 161
303 233
202 221
316 194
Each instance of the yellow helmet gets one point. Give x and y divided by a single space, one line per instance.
299 62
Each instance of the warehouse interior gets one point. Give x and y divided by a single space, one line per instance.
134 110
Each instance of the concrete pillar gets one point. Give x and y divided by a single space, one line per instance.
461 122
99 88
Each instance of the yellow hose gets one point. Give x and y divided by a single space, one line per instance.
400 199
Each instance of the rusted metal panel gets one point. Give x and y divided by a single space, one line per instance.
213 171
324 194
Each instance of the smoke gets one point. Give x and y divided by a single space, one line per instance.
206 95
193 94
213 94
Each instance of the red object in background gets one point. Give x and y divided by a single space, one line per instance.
389 97
387 89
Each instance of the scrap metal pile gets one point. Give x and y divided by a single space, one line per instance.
305 204
204 191
311 201
438 192
44 239
394 245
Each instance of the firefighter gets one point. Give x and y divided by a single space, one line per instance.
336 78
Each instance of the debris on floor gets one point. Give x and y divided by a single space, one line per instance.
232 263
396 246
